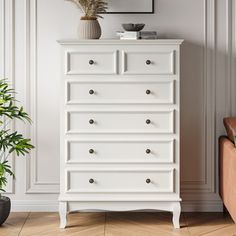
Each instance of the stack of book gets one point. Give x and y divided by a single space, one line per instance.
133 35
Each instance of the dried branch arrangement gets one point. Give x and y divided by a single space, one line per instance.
91 8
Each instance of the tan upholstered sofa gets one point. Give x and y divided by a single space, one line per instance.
228 167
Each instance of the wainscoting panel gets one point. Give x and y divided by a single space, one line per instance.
198 146
7 60
207 85
43 166
233 59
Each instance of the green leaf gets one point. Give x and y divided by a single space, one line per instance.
10 141
1 170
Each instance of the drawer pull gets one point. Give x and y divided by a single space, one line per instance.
148 62
91 62
148 91
91 151
91 91
91 181
91 121
148 151
148 121
148 181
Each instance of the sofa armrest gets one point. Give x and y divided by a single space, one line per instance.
228 175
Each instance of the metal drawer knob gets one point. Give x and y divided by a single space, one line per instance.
91 181
148 121
148 181
91 91
91 151
148 91
91 62
148 151
148 62
91 121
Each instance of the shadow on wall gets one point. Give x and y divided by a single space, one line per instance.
196 87
193 116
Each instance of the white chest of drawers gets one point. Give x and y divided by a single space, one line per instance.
120 126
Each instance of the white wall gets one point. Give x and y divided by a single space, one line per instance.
31 60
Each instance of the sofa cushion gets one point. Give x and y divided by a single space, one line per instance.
230 126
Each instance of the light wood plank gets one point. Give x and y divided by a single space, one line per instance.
141 224
225 231
118 224
204 223
13 224
47 224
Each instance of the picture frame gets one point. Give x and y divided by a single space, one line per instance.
130 7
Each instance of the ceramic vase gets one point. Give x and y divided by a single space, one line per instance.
89 29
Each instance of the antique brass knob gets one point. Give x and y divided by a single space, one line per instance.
91 62
91 121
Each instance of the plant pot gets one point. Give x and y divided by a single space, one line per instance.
5 207
89 29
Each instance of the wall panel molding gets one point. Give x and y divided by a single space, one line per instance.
210 94
197 188
7 61
233 58
228 53
206 188
33 185
188 187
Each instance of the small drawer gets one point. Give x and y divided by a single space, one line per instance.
91 63
151 62
120 92
120 181
120 122
119 151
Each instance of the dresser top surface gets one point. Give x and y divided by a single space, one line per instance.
121 42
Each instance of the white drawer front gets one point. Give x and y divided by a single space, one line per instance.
122 92
91 63
120 181
120 151
150 62
120 122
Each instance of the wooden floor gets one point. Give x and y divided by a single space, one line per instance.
118 224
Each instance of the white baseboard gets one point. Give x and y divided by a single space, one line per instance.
34 206
202 206
52 206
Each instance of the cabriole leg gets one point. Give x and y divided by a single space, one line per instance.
176 215
63 214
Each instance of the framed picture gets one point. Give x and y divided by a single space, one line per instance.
130 7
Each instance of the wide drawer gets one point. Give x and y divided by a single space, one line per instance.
148 62
120 181
91 62
119 151
120 92
120 122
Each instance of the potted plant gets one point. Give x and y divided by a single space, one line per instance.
89 27
10 141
